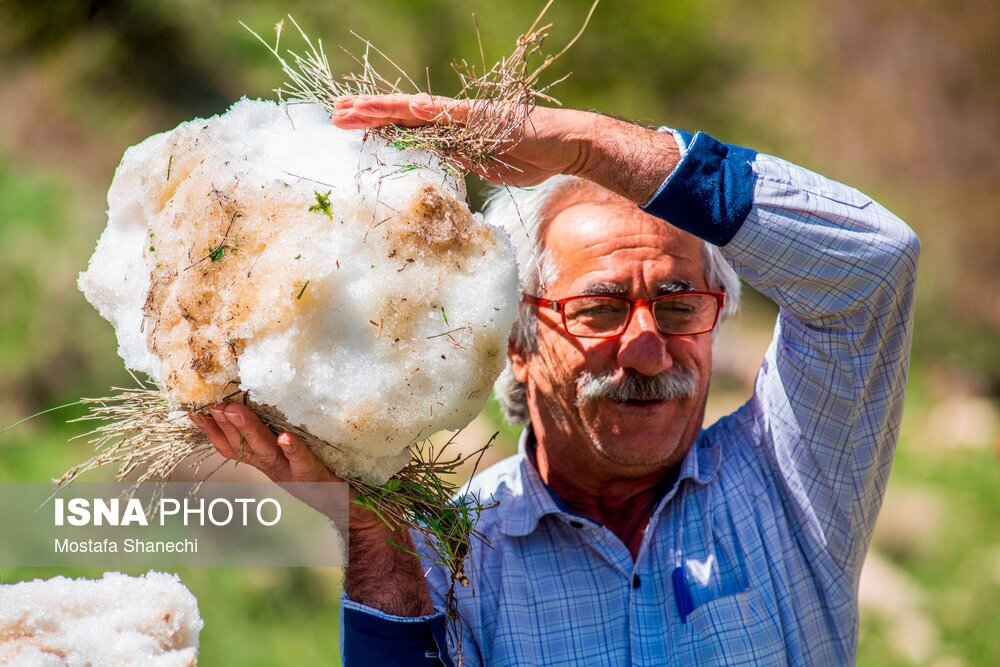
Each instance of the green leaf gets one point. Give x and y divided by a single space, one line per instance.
322 204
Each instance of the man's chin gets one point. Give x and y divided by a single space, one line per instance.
637 450
637 433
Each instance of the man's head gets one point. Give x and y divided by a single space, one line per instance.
638 399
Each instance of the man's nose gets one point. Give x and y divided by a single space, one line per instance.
642 347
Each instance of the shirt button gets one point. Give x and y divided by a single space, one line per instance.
635 581
576 524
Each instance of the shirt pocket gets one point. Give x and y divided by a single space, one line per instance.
737 629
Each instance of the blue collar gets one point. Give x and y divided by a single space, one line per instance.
533 500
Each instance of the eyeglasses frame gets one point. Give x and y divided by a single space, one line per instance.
559 306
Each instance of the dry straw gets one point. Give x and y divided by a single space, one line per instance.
496 101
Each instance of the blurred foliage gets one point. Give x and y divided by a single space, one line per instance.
897 99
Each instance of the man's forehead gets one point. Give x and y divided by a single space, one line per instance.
601 245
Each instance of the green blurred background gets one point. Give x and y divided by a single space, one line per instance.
898 99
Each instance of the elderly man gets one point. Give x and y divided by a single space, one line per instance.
627 534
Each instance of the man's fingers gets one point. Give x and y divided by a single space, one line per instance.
231 433
309 481
383 106
441 109
356 121
364 111
257 437
302 463
240 435
214 434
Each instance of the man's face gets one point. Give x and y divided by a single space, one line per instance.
613 247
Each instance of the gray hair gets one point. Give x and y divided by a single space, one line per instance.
522 213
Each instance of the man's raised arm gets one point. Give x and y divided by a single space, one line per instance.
828 400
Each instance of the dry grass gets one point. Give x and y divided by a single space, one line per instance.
497 100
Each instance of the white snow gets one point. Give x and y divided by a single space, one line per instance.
370 328
147 621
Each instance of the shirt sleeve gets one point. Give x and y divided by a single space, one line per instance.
372 637
828 399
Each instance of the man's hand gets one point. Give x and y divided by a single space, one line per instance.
623 157
239 435
378 574
545 145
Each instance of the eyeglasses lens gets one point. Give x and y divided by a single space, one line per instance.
596 316
606 316
694 313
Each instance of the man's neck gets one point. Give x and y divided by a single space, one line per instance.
623 504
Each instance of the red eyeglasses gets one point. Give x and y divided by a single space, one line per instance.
605 316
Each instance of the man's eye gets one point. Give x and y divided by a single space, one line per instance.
598 310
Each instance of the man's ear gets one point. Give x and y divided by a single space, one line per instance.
518 362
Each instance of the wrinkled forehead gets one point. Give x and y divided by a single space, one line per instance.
611 242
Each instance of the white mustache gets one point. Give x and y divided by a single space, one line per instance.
634 386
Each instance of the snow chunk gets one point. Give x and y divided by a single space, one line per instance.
147 621
339 280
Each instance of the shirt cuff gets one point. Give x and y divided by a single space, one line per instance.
370 636
710 191
680 136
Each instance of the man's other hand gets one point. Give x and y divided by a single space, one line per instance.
378 574
239 435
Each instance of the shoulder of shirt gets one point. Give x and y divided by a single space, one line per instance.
743 458
501 482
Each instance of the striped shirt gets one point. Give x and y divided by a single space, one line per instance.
753 556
